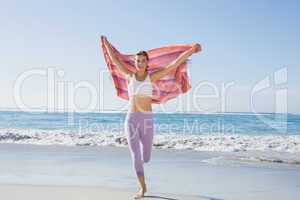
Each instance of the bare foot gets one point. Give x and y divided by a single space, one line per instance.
141 193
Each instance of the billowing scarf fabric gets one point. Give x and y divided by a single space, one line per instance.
164 89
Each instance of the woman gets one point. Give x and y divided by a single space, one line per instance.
139 119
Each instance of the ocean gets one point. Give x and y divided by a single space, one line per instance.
200 132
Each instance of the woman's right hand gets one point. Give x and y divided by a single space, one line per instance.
105 42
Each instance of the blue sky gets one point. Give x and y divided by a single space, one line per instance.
243 42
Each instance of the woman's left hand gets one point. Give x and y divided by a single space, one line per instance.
196 48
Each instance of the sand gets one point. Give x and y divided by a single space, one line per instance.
31 192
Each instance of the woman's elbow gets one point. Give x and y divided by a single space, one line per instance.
154 77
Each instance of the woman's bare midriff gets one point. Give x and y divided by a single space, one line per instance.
140 103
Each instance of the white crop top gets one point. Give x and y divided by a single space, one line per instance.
136 87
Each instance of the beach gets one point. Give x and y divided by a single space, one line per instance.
194 156
92 172
14 192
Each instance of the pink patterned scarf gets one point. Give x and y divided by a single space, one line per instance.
164 89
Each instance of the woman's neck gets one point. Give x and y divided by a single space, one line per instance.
141 75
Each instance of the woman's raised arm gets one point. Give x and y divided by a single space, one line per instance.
114 58
161 73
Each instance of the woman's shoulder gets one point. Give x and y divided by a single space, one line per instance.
129 77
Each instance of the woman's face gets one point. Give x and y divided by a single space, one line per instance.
141 62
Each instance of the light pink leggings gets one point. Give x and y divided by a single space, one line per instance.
139 131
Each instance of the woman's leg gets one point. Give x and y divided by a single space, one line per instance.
133 138
132 126
135 131
147 136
